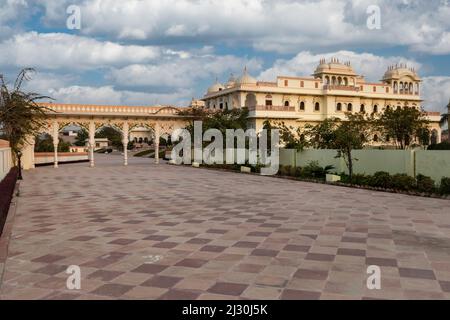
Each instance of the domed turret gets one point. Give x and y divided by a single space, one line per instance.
399 71
246 78
215 87
231 82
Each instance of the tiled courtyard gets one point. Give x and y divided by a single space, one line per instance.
151 231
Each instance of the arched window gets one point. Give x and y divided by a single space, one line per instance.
302 106
327 80
375 138
317 106
395 87
388 107
398 107
140 140
345 81
333 80
375 108
286 103
362 108
339 107
146 140
339 81
410 88
388 138
349 107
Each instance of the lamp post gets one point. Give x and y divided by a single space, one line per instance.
19 156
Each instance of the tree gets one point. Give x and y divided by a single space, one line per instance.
352 134
221 119
291 137
113 135
402 124
82 135
322 135
20 114
44 143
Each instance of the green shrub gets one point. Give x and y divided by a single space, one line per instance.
425 184
403 182
445 145
284 170
445 186
380 179
314 170
359 179
144 153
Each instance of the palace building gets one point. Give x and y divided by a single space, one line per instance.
333 89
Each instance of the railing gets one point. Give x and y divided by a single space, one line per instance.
340 87
128 110
272 108
5 159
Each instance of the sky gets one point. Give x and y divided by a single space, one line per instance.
150 52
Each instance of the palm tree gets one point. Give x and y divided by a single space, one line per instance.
20 114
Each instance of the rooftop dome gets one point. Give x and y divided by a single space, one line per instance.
246 78
231 81
398 71
334 66
215 87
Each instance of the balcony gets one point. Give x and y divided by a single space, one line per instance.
272 108
340 87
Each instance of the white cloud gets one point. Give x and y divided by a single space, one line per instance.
182 72
436 93
60 50
304 64
109 95
281 25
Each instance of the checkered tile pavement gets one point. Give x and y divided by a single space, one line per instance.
164 232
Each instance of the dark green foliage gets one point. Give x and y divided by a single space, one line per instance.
425 184
44 143
380 179
440 146
445 186
403 182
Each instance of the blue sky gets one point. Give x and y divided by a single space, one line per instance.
146 52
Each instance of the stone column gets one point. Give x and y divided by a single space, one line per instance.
157 135
55 134
91 144
125 143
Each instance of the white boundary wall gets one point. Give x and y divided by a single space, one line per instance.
435 164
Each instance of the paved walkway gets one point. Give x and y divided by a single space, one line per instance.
159 231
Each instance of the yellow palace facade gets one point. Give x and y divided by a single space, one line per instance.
333 89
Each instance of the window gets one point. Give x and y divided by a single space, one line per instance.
221 105
375 138
286 83
339 107
362 108
302 84
361 88
387 89
388 107
302 106
317 85
375 108
286 103
268 102
226 105
374 89
350 107
316 106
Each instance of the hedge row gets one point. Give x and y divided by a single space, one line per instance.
7 186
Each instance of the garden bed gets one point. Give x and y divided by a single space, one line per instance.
7 186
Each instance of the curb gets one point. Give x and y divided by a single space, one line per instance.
7 232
